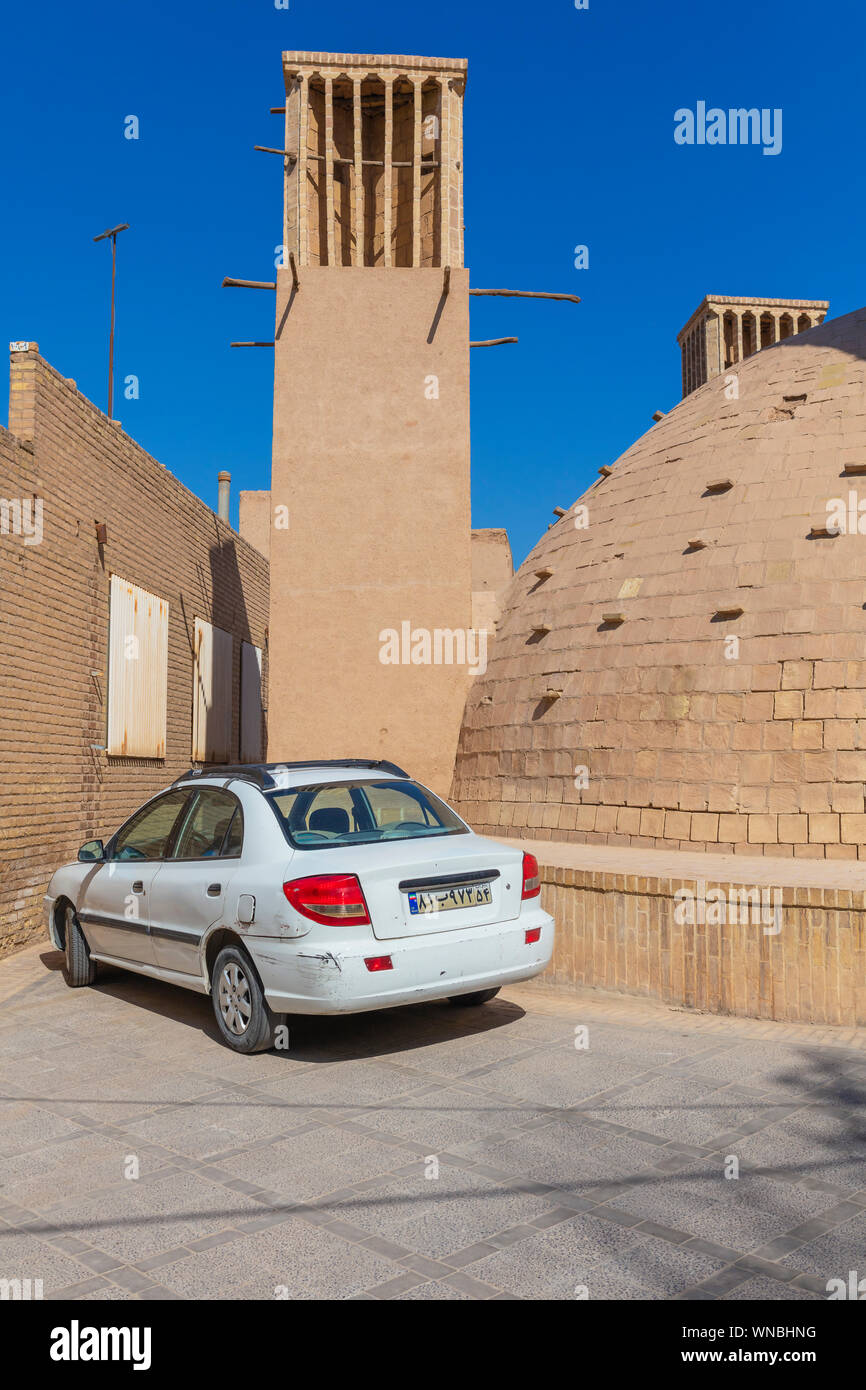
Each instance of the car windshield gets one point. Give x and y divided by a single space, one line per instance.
361 812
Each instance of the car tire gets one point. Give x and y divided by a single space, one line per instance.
468 1001
79 968
245 1021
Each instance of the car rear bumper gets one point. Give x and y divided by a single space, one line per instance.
302 977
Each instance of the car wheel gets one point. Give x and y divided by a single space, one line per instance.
243 1017
79 969
481 996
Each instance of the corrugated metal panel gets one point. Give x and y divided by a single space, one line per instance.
212 694
137 671
251 703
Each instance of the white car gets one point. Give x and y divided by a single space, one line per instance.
302 888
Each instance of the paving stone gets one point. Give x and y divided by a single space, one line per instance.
450 1117
25 1127
344 1088
833 1254
305 1166
552 1263
40 1178
661 1268
439 1217
107 1294
312 1262
434 1289
571 1156
135 1222
578 1076
459 1056
214 1126
26 1257
674 1202
766 1290
121 1096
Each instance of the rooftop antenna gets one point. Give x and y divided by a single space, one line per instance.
112 232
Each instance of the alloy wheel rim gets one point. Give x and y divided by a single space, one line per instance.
234 999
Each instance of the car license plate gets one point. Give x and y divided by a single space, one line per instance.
475 895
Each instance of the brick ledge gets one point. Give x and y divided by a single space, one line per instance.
686 864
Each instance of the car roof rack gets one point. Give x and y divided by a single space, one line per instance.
262 774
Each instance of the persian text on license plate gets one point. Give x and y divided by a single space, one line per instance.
475 896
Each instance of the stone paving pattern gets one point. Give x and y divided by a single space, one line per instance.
307 1171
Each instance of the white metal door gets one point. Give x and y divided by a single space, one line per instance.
251 703
137 671
212 694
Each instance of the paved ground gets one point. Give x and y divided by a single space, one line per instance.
422 1153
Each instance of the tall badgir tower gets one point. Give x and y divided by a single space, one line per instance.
371 411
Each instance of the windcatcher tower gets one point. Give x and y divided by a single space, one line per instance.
374 164
724 331
371 411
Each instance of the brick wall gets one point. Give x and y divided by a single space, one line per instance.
56 788
620 932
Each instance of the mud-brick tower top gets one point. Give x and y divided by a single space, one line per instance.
374 166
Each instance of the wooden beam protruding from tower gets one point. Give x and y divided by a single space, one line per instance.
229 284
529 294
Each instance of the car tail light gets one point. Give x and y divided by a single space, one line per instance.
335 899
533 935
531 882
379 963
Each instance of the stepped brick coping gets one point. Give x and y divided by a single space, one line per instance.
685 865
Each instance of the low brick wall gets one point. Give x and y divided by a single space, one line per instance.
620 932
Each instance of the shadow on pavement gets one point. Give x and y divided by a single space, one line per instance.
315 1037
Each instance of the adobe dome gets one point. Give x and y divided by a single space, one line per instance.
689 739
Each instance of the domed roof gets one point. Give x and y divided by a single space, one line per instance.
681 660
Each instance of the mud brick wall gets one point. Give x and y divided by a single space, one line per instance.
57 789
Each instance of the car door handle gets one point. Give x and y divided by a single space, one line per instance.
138 886
214 890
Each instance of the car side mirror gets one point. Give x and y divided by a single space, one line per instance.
92 852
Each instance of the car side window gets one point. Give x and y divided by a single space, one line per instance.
147 834
234 841
212 827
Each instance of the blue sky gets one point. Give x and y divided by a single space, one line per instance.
569 122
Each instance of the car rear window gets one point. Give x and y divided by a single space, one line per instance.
363 812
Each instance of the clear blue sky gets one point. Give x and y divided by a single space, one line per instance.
569 140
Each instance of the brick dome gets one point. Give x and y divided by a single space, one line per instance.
620 660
